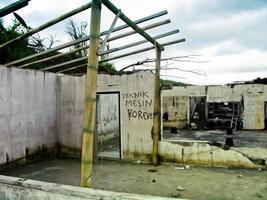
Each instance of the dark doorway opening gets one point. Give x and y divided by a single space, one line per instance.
197 112
108 125
224 115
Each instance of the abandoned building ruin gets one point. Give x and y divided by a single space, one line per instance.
54 122
74 110
216 106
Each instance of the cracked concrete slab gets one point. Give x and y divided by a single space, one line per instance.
253 153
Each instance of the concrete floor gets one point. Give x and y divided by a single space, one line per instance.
248 139
109 148
166 180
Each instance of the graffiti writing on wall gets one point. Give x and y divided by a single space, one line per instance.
138 104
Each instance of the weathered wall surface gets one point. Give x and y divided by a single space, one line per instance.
186 91
252 95
38 110
70 105
137 94
27 113
175 108
201 153
136 110
221 93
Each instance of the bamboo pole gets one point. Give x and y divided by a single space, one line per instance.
128 21
69 69
143 50
150 26
90 96
110 39
65 45
84 58
48 24
13 7
156 111
113 58
54 57
138 42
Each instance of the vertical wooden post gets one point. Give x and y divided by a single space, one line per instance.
156 112
90 96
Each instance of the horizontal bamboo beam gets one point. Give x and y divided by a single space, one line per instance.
65 63
68 44
132 53
154 25
47 24
128 21
63 46
54 57
142 50
69 69
13 7
139 42
147 27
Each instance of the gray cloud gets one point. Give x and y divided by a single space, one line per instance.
208 24
219 28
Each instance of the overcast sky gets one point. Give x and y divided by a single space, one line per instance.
229 36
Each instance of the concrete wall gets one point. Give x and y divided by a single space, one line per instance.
252 95
38 110
136 107
136 110
176 108
70 105
202 153
27 113
41 110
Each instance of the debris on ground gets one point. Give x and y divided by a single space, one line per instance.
180 188
152 170
177 195
179 168
187 167
240 176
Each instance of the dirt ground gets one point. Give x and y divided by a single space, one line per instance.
166 180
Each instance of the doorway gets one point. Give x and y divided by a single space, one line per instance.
197 117
108 124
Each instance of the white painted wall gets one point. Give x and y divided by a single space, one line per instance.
136 107
136 102
27 112
70 105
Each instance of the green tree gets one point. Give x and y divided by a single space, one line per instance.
75 32
78 31
18 49
21 48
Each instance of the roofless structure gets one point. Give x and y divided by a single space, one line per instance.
91 62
